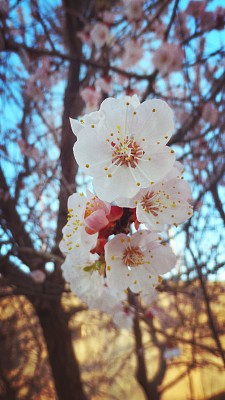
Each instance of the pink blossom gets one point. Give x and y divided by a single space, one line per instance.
33 91
96 213
100 34
91 98
133 53
123 316
42 73
168 58
159 28
115 51
133 9
108 17
85 35
39 79
122 80
104 84
210 113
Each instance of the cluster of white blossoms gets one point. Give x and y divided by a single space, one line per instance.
112 239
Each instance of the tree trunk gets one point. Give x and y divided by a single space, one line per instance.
65 369
155 395
73 106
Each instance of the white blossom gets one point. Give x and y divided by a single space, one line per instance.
163 203
137 262
126 149
85 280
76 241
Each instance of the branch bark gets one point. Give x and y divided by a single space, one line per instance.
10 218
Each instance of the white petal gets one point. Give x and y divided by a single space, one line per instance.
180 189
154 121
110 104
92 154
147 218
126 202
142 280
123 320
118 275
93 118
162 261
76 126
143 237
77 202
134 100
120 184
149 296
119 121
154 165
116 246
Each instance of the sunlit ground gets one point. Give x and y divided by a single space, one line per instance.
107 356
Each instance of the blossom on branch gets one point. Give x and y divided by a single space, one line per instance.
123 147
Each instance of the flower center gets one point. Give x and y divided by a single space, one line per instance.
133 256
127 152
91 206
148 204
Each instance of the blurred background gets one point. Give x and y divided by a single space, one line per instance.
61 59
